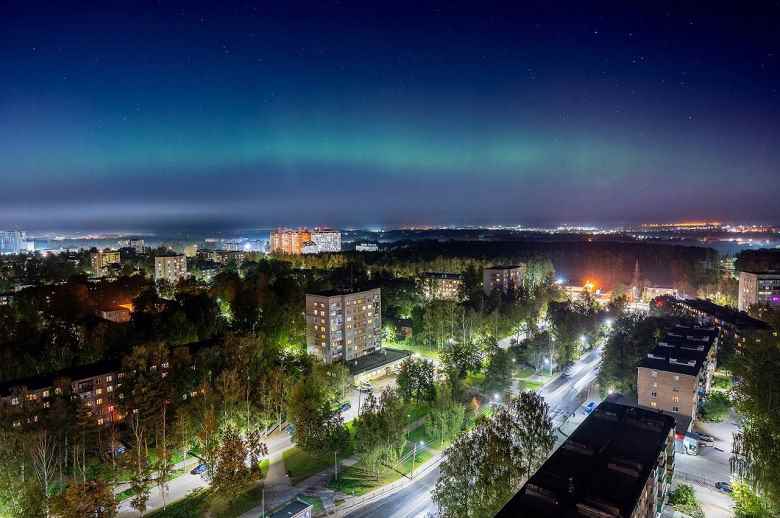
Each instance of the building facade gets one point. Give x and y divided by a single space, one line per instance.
326 239
441 285
758 288
99 261
619 463
366 247
343 326
677 374
171 268
503 278
13 242
288 241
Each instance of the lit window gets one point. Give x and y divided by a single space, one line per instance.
100 421
676 399
15 401
45 393
110 388
653 373
98 391
675 409
652 404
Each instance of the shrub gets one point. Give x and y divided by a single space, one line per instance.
716 407
683 499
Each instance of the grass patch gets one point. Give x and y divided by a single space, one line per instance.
195 504
716 407
301 465
721 382
314 501
426 352
236 505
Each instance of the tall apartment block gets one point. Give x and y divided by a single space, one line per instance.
289 242
100 260
343 326
503 277
326 239
441 285
758 288
13 242
619 463
172 267
677 373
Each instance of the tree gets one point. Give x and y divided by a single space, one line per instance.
446 418
94 498
380 431
756 458
498 375
318 425
44 457
632 338
231 473
416 380
484 467
684 500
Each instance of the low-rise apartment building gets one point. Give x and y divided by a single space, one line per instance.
170 267
503 278
758 288
326 239
441 285
343 326
677 373
100 261
728 321
619 463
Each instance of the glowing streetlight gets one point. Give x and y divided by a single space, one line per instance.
608 322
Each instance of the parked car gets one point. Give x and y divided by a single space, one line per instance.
199 469
345 407
366 387
290 429
705 437
590 407
723 487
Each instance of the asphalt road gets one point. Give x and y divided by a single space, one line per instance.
562 394
413 501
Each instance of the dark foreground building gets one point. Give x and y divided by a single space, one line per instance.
618 463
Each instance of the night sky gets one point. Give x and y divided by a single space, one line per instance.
220 115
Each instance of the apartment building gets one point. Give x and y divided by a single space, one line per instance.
288 241
728 321
619 463
677 373
222 256
326 239
95 386
343 326
441 285
100 261
503 278
14 242
366 247
758 288
171 268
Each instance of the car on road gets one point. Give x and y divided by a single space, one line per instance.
199 469
366 387
290 429
345 407
590 407
723 487
705 437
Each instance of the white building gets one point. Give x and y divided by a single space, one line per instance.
171 268
327 240
14 242
366 247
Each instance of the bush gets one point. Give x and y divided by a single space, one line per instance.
683 499
748 504
716 407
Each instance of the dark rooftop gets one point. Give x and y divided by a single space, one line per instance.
337 293
682 350
376 359
291 509
600 470
442 275
503 267
732 317
47 380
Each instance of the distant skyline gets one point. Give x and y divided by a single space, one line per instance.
216 116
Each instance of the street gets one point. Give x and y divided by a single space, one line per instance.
561 393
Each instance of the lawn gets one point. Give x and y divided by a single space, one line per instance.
716 407
203 502
426 352
721 382
301 465
314 501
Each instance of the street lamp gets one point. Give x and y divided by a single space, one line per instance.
414 456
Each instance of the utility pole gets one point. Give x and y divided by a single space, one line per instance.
335 465
414 456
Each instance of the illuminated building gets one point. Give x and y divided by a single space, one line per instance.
99 261
503 278
441 286
14 242
366 247
758 288
327 240
171 267
288 242
343 326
